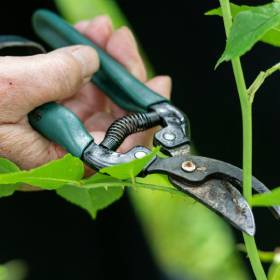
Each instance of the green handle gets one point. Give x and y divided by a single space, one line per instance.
63 127
112 77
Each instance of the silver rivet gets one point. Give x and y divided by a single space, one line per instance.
188 166
169 136
139 154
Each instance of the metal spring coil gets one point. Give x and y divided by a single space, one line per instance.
127 125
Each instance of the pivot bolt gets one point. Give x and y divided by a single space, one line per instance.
188 166
140 154
169 136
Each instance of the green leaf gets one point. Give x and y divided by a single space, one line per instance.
91 200
101 190
274 272
7 166
94 194
52 175
259 23
235 9
130 169
156 180
267 199
272 37
248 28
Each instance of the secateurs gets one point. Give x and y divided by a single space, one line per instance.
214 183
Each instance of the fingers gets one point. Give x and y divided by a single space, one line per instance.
27 82
122 46
24 146
162 85
119 44
98 30
90 99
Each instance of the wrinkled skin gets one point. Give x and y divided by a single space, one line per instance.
63 75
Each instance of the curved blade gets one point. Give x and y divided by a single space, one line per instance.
221 197
205 169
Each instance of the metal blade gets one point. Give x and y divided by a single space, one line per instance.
205 169
224 199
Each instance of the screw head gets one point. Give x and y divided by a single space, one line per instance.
188 166
169 136
140 154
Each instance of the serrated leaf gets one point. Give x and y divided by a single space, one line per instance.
272 37
7 166
274 272
101 190
68 170
251 24
91 200
94 194
130 169
267 199
248 28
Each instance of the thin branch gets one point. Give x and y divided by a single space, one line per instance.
263 75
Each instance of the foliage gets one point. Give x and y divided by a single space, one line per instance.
67 170
7 166
250 25
92 194
271 36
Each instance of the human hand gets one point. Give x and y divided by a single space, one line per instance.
63 75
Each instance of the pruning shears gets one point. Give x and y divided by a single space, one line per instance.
212 182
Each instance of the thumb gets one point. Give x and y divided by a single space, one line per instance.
28 82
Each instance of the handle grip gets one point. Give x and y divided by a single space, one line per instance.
63 127
125 90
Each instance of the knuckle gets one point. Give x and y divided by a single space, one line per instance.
25 147
64 76
94 55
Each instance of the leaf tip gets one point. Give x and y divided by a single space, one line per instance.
213 12
218 64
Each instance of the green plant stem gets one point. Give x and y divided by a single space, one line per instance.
246 108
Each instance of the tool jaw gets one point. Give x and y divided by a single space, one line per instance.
222 198
97 156
174 137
